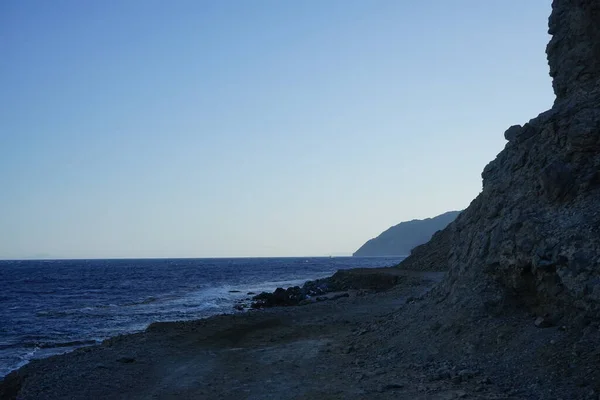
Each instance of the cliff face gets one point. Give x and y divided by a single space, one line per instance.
574 51
430 258
400 239
532 237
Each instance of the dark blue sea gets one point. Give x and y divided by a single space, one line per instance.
49 307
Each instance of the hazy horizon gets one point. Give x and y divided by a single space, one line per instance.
203 129
41 258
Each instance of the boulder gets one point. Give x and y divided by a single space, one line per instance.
512 132
542 322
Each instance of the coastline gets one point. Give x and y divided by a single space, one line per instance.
131 349
399 343
42 326
240 301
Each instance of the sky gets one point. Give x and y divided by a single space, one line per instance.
209 128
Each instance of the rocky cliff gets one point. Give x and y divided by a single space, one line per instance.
532 237
400 239
430 258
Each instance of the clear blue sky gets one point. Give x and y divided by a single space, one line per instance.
198 128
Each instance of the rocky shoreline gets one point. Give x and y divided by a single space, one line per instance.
343 283
403 342
127 365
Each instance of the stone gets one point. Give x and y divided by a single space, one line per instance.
542 322
511 133
392 386
467 374
280 297
485 381
339 296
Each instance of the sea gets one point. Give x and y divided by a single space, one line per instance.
49 307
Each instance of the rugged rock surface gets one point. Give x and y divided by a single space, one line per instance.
532 237
574 51
366 279
399 240
430 257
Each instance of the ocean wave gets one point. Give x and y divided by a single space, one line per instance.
54 313
148 300
24 359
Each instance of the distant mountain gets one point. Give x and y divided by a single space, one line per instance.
400 239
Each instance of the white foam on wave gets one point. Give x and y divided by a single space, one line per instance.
25 358
19 361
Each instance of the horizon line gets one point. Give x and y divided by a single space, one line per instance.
190 258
